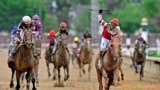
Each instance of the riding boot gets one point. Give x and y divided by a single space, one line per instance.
13 51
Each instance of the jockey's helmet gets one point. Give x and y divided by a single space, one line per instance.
115 21
76 39
63 24
26 19
52 33
36 17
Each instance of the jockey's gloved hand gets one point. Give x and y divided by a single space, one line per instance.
100 11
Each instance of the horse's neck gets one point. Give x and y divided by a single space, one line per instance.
24 51
108 55
61 49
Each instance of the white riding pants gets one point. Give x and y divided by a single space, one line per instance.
104 44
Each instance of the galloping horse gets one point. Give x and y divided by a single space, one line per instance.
139 58
49 57
62 57
24 61
85 57
37 44
110 65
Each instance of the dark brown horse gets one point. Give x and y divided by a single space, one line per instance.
49 58
24 61
85 57
110 65
139 57
62 57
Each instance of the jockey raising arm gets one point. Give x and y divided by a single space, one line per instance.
38 26
109 30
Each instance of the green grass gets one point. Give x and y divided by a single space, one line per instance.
153 53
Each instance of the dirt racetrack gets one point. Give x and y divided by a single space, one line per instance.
131 82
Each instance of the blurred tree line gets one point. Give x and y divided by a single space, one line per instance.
12 11
130 13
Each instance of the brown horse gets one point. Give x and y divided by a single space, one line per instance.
85 57
110 65
62 57
49 58
139 57
24 61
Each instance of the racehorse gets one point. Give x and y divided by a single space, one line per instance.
37 44
85 57
111 62
49 57
62 58
24 61
139 57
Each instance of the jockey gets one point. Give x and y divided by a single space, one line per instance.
52 34
25 23
109 29
76 41
141 39
13 34
86 35
62 30
52 40
13 38
38 26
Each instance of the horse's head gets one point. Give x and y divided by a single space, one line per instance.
115 47
64 40
87 43
140 47
28 37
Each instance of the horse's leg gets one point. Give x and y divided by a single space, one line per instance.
33 81
120 68
135 65
59 76
66 70
36 74
89 70
99 77
55 74
48 69
11 81
110 81
83 70
29 76
115 78
142 70
80 69
18 74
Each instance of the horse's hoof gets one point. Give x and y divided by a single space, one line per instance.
34 88
54 78
11 85
49 75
